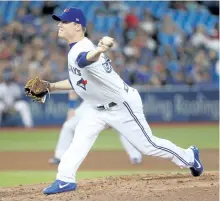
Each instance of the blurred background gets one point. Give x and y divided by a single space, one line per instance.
168 50
161 46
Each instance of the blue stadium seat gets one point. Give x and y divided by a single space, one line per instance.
187 20
99 23
173 66
72 4
181 16
11 11
37 4
3 6
188 28
159 13
173 14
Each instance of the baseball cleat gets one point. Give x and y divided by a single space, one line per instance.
54 160
197 168
59 187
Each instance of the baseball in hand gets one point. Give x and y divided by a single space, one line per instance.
108 41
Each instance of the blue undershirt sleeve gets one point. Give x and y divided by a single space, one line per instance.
82 61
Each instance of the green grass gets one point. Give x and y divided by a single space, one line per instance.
15 178
45 140
28 141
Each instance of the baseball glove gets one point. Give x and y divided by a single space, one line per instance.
37 89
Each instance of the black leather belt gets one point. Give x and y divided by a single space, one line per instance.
106 106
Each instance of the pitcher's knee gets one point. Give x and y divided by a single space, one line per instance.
70 125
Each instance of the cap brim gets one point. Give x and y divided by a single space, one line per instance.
57 17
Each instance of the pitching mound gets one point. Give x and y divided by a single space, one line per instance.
169 187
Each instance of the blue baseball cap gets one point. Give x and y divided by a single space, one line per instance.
71 15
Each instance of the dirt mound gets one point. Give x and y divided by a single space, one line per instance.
149 187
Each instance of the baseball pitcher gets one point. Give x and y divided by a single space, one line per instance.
112 102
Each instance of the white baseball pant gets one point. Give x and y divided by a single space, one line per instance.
67 134
129 120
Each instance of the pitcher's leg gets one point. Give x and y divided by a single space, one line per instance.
134 155
66 136
67 132
137 131
86 132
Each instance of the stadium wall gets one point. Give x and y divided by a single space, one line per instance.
160 105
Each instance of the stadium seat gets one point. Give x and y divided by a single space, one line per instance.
11 11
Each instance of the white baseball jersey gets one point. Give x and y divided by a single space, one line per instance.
88 82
